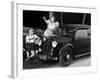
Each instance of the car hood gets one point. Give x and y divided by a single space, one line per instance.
64 40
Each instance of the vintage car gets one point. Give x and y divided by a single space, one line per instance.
69 42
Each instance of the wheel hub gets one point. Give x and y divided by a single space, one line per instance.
68 56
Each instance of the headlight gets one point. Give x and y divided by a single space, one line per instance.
54 44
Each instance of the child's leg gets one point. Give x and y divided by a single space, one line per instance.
27 54
32 53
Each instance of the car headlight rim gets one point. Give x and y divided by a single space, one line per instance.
54 44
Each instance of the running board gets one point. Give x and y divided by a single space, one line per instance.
82 54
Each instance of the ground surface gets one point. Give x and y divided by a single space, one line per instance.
77 62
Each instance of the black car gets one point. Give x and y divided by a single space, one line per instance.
70 41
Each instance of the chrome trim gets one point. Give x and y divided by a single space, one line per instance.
82 54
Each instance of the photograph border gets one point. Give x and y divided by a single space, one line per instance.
17 29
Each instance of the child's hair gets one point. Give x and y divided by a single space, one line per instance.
32 30
53 17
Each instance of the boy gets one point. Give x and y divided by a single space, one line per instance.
31 47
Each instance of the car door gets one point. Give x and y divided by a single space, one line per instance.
82 41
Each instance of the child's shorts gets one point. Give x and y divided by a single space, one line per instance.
31 46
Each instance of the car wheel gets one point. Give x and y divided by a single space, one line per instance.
66 56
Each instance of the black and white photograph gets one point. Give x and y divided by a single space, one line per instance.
55 39
50 40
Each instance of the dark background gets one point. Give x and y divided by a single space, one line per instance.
34 19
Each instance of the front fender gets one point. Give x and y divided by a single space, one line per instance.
67 45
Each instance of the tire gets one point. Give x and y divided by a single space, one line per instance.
66 56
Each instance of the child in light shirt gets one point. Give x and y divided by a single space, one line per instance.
51 26
32 44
